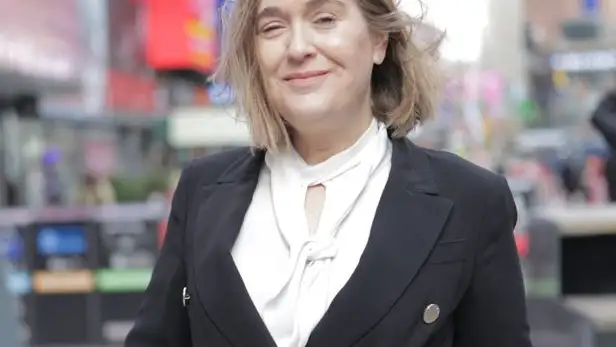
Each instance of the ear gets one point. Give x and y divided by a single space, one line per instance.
379 48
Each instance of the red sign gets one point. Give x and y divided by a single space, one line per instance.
522 243
127 92
181 34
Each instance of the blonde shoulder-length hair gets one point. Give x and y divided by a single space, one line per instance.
403 87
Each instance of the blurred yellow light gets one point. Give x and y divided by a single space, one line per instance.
196 29
560 79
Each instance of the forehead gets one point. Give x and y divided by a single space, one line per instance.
270 5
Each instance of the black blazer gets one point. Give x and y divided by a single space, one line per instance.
440 268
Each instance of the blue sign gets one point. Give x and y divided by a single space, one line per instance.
61 240
591 6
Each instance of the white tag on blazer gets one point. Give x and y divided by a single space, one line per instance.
185 297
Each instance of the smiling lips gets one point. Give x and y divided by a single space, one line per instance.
305 78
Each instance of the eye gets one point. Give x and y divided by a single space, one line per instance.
271 28
325 20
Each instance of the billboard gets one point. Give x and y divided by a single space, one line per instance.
181 34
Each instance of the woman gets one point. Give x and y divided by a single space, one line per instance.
334 230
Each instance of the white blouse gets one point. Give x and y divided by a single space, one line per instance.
291 274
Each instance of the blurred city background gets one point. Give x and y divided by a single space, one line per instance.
103 101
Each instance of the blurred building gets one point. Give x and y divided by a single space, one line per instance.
503 41
76 87
44 56
560 23
571 46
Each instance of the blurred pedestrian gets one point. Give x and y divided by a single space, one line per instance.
53 182
604 120
11 192
95 191
334 229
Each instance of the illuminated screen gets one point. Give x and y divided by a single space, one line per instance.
61 240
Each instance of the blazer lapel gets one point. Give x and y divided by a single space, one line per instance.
220 288
408 221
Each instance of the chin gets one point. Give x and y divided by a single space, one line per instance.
306 115
305 107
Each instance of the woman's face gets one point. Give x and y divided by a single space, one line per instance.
316 57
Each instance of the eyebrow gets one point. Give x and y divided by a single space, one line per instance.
311 5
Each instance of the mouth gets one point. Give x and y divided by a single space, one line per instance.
303 80
302 76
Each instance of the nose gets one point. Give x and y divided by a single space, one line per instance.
300 44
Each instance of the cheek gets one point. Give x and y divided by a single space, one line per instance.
268 59
348 48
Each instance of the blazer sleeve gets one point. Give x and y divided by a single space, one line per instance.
493 310
162 320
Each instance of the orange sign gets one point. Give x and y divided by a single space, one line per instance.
63 282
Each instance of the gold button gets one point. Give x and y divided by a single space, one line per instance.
431 313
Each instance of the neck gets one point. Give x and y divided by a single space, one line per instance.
319 146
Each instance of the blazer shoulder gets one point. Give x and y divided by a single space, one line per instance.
209 168
454 172
479 192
